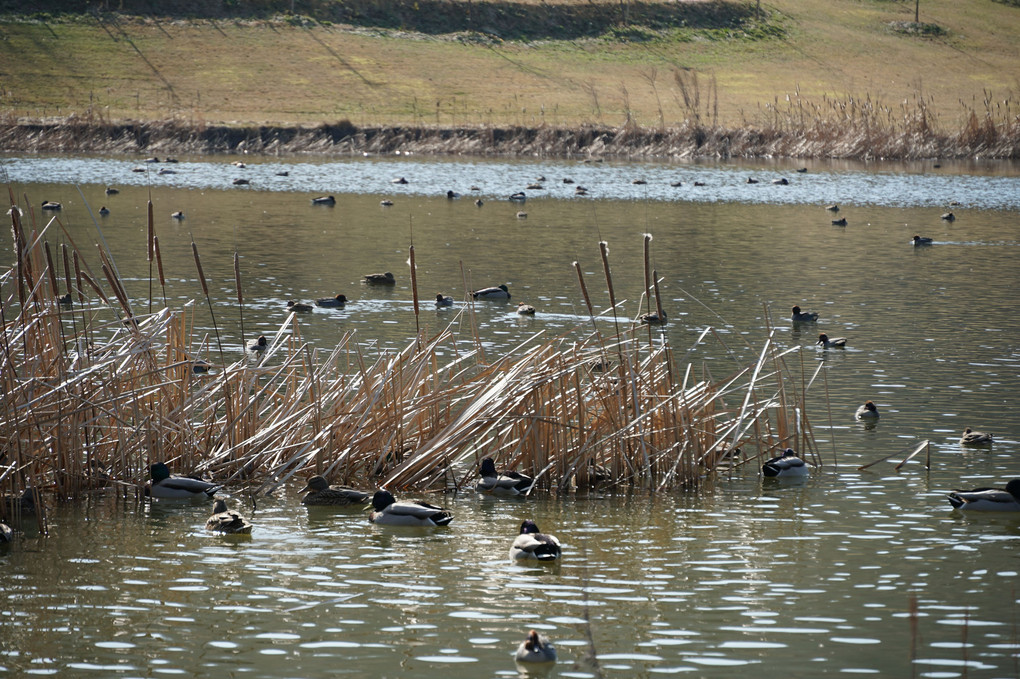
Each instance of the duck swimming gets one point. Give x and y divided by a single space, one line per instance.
299 306
975 438
324 200
50 205
177 215
322 494
104 211
918 240
834 343
380 279
163 485
525 309
949 217
518 197
338 301
536 649
443 300
389 512
786 465
532 545
988 499
227 521
653 318
6 534
839 222
498 292
258 346
506 484
804 316
868 411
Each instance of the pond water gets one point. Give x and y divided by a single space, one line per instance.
740 576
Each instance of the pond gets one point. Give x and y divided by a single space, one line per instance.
848 572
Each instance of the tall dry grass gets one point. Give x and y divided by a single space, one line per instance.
96 391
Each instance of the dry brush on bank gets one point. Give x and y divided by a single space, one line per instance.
96 390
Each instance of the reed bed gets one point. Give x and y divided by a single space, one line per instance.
95 391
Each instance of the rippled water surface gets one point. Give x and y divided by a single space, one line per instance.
741 577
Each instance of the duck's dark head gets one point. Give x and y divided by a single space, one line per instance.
261 341
789 453
870 405
316 483
534 642
159 472
796 311
382 499
219 506
488 467
1013 488
529 526
823 338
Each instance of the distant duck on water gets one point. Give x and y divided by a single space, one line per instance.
507 484
525 309
536 649
786 465
533 545
498 292
258 346
868 411
831 343
324 200
921 240
443 300
163 485
389 512
804 316
227 521
988 499
320 493
380 279
337 301
975 438
299 306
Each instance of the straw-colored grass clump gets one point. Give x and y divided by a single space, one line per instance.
96 391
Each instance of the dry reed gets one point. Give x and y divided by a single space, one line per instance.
93 394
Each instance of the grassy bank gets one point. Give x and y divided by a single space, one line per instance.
717 68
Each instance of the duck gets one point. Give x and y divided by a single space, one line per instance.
240 181
782 181
65 300
380 279
177 215
533 545
452 195
239 164
839 222
153 159
522 215
804 316
299 306
166 170
443 300
868 411
324 200
752 180
104 211
786 465
321 494
699 183
389 512
919 240
498 292
6 534
111 191
398 180
568 180
988 499
227 521
832 208
653 318
949 217
337 301
283 173
975 438
258 345
536 649
580 191
525 309
518 197
386 202
834 343
479 202
50 205
163 485
507 484
534 187
639 182
200 367
676 184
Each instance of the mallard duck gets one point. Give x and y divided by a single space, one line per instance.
6 534
324 200
786 465
699 183
177 215
320 493
498 292
752 180
522 215
104 211
386 202
803 316
568 180
507 484
536 649
653 318
531 544
398 180
227 521
518 197
988 499
832 208
166 170
580 191
380 279
239 164
200 367
534 187
802 170
337 301
919 240
443 300
138 168
152 159
839 222
782 181
163 485
258 345
110 191
65 300
299 306
975 438
50 205
241 181
479 202
525 309
283 173
868 411
949 217
676 184
833 343
389 512
451 195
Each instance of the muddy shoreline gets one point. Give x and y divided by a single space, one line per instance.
80 135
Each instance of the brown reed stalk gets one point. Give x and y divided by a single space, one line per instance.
150 230
237 286
414 288
159 267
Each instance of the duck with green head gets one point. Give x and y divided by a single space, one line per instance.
165 486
